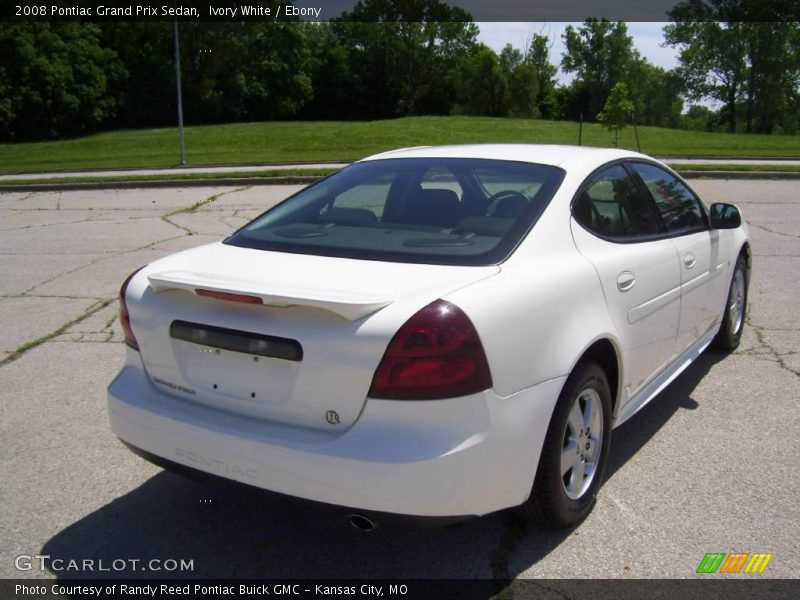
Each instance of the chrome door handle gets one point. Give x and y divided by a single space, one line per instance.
625 281
689 260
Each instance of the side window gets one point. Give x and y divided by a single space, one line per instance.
612 206
494 182
368 196
441 178
679 207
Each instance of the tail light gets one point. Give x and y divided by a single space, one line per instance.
124 317
436 354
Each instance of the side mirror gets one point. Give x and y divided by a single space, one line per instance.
725 216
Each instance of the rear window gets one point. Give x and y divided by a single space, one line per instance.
431 210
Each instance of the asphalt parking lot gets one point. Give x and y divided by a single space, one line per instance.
709 466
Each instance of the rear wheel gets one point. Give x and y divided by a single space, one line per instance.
575 450
730 331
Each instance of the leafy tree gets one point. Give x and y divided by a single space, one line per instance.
482 85
334 83
655 93
600 53
712 62
617 110
54 80
273 76
522 84
538 57
743 53
402 53
146 96
699 118
230 71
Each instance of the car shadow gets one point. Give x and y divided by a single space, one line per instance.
235 533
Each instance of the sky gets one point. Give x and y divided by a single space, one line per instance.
647 39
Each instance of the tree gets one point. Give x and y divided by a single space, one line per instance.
699 118
655 93
482 85
335 85
402 53
231 71
538 57
617 110
521 84
146 96
742 53
600 53
712 63
54 80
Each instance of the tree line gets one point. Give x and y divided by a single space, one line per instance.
394 58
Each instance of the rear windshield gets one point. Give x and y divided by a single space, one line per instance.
424 210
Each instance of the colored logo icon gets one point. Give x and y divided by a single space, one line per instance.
735 562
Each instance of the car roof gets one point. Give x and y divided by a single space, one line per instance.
564 156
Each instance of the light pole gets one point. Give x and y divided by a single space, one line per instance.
180 98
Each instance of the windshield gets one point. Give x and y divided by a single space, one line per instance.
458 211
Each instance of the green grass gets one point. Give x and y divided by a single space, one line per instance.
172 177
735 167
243 143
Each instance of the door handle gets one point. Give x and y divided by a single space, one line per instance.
689 260
625 281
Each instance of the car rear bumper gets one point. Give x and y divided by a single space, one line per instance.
462 456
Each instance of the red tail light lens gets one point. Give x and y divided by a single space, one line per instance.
124 317
436 354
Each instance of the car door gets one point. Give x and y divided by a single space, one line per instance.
684 217
616 228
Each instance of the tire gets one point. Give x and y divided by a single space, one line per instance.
730 331
563 499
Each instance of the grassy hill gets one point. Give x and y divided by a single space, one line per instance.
243 143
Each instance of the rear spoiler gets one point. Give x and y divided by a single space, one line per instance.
348 305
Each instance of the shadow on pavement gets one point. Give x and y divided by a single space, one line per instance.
243 534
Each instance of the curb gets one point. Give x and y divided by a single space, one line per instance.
306 179
720 157
167 183
177 168
739 174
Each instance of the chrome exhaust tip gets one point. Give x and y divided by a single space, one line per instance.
362 523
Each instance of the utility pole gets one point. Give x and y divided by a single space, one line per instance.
180 97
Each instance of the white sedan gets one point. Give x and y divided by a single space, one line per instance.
434 332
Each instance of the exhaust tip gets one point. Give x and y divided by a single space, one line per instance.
362 523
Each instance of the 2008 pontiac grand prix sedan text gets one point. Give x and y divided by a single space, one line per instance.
436 332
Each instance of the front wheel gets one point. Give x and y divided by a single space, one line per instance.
730 331
575 450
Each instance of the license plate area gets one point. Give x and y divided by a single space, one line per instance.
236 370
245 342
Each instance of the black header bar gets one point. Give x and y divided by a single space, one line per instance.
412 10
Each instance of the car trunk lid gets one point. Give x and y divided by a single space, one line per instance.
287 338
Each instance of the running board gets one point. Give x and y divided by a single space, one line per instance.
667 376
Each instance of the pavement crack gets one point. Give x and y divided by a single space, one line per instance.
793 235
56 296
78 222
29 345
97 260
197 205
777 357
109 323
